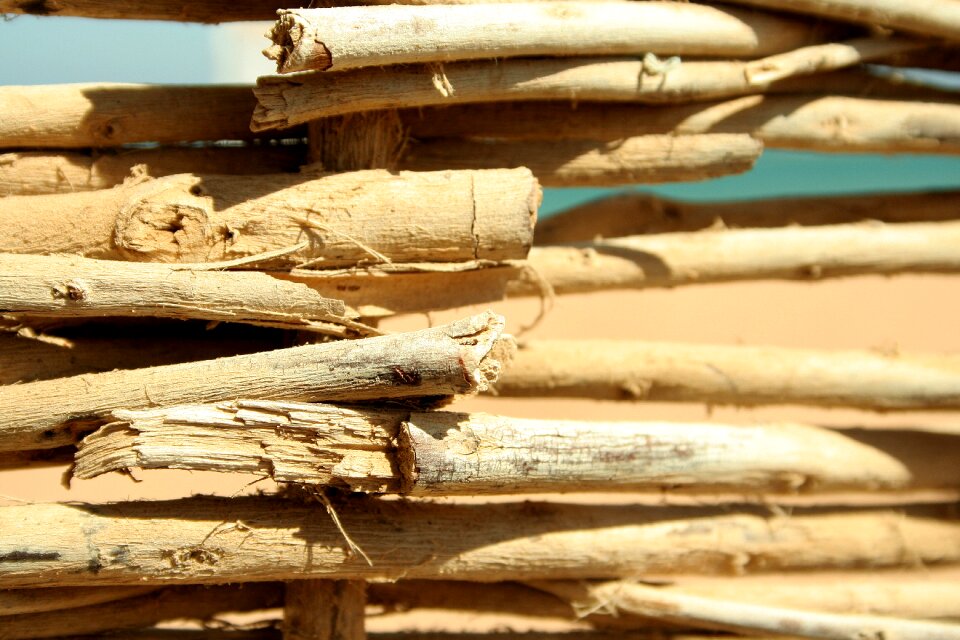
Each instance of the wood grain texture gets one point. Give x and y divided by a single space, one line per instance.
217 540
325 610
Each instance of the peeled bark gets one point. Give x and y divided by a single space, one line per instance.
738 375
819 123
325 610
211 541
642 159
329 220
806 253
628 214
45 172
342 38
442 361
442 454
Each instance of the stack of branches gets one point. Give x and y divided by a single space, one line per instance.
398 171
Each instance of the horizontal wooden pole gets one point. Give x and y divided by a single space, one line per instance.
74 287
219 540
627 214
196 11
739 375
923 17
287 101
440 453
804 253
456 358
342 38
818 123
329 220
53 171
642 159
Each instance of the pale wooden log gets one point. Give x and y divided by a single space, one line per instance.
43 172
937 18
341 38
440 453
328 220
325 610
457 358
111 114
739 375
820 123
106 346
642 159
198 603
218 540
636 213
738 616
289 100
74 287
195 11
804 253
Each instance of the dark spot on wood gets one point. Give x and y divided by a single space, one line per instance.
94 565
48 434
408 378
29 556
197 190
38 7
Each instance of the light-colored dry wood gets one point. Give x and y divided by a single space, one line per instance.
324 220
73 287
642 159
196 603
440 453
739 375
627 214
43 172
194 11
803 253
820 123
937 18
341 38
325 610
218 540
738 616
456 358
357 141
284 101
109 115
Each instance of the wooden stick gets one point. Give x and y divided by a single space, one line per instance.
42 172
328 220
357 141
66 287
211 541
726 615
739 375
110 115
627 214
342 38
450 359
924 17
820 123
805 253
286 101
199 603
642 159
195 11
439 453
325 610
27 601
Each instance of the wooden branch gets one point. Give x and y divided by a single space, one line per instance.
194 11
642 159
43 172
357 141
110 115
737 616
329 220
218 540
939 19
68 287
739 375
199 603
286 101
442 361
635 213
820 123
325 610
26 601
439 453
342 38
805 253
